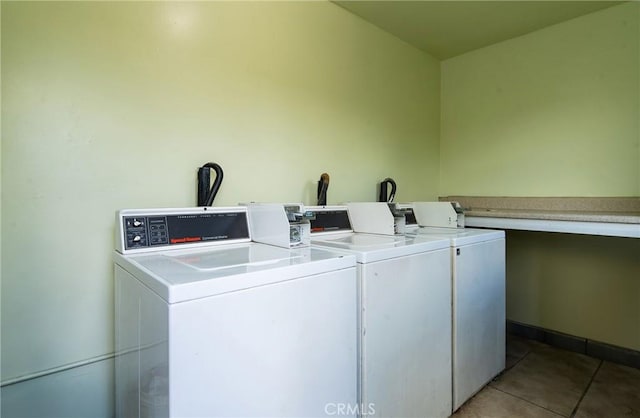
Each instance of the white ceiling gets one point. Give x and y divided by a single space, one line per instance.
445 29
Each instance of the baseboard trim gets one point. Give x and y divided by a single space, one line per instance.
597 349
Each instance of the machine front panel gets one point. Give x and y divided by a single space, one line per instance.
170 230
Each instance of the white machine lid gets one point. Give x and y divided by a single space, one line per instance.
181 275
369 248
458 236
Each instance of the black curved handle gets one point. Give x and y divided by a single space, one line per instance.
383 190
206 195
323 186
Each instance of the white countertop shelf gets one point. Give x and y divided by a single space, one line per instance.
606 216
613 229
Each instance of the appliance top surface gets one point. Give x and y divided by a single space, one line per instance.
363 241
183 266
374 247
183 274
458 236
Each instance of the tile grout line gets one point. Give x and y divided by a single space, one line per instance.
519 360
527 401
532 403
542 407
575 409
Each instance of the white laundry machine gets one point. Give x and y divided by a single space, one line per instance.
405 311
209 324
478 300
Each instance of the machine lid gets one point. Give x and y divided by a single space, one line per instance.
373 247
458 236
181 275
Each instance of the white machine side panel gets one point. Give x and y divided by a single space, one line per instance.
371 218
269 224
479 317
282 350
438 214
142 380
406 342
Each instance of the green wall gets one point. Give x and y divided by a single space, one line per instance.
588 286
0 199
555 113
551 113
115 105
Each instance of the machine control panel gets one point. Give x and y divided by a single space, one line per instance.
331 220
135 232
175 229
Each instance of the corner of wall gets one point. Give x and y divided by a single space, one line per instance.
441 191
1 135
501 134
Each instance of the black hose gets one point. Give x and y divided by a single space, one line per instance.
206 195
323 186
383 190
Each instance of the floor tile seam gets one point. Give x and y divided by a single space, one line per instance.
506 370
529 402
564 363
568 386
517 362
593 376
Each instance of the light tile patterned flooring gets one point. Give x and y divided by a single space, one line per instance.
542 381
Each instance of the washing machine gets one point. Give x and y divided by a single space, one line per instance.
404 305
210 324
478 299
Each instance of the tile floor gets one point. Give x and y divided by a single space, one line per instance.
544 381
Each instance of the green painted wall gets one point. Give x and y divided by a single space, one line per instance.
588 286
115 105
0 198
551 113
555 113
